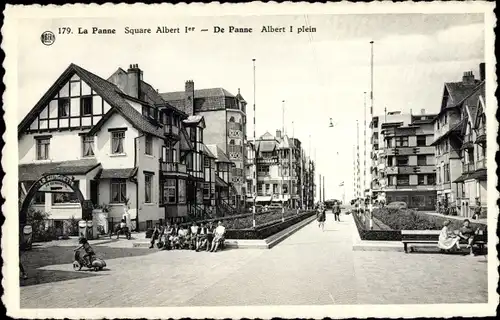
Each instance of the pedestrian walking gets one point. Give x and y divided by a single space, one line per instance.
321 217
336 211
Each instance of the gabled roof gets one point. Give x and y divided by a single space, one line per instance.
285 142
195 120
199 93
472 102
266 145
267 136
218 153
107 90
207 152
454 92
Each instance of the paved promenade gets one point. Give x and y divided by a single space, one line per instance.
310 267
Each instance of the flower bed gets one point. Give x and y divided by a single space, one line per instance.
263 231
403 219
375 235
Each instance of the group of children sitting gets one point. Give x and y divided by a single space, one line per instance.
197 237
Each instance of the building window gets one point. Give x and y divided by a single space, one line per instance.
206 162
418 201
42 149
446 168
401 141
402 161
86 106
63 108
206 190
268 187
149 145
169 191
403 180
39 198
421 141
118 191
182 191
88 146
275 188
117 139
192 135
148 185
421 179
421 160
58 198
149 224
431 179
285 189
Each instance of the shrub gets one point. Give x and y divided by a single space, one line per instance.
73 226
37 219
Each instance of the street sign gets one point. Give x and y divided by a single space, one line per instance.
55 187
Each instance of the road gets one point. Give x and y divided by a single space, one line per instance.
310 267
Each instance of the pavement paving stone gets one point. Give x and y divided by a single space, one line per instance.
309 267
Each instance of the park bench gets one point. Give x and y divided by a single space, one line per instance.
432 237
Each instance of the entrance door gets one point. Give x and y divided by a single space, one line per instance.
94 192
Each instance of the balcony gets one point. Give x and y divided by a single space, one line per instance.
170 130
411 169
270 160
481 164
401 151
481 134
263 174
468 167
235 149
237 172
234 126
468 143
173 167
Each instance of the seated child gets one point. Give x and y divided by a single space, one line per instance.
89 252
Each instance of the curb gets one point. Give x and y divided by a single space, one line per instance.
271 241
366 245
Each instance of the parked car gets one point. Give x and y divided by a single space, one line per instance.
397 205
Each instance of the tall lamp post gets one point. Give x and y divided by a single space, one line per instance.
282 167
254 184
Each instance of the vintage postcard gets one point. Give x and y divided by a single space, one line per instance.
250 160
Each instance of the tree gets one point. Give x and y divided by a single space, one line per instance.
37 219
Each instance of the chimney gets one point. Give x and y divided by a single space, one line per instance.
133 81
482 71
422 111
468 78
278 134
189 98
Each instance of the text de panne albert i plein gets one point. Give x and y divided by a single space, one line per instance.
186 29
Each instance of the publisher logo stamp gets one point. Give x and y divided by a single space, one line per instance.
48 38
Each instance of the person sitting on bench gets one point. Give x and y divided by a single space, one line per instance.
218 236
467 233
447 239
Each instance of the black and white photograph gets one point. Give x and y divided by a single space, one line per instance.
250 160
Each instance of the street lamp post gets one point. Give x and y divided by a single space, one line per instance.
254 153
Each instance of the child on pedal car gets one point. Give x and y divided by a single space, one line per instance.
89 252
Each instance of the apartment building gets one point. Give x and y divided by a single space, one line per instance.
378 154
226 114
121 142
280 170
460 140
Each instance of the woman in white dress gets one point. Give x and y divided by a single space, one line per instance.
447 239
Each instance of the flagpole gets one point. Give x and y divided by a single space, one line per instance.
370 203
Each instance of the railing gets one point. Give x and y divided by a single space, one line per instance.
481 164
169 129
267 160
410 150
173 167
262 174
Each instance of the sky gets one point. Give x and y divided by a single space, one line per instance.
319 75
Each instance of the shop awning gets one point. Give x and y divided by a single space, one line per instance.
117 173
34 171
280 198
